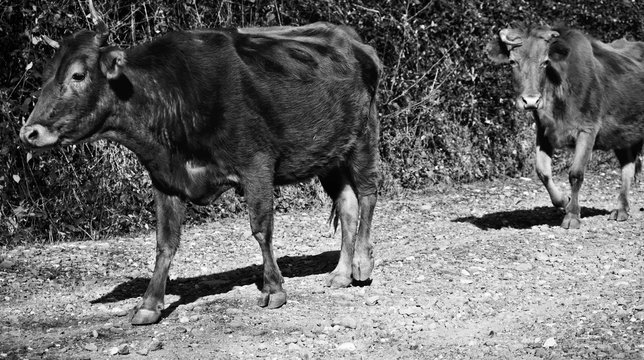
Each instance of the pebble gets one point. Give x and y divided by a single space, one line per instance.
117 311
346 321
113 351
524 267
233 311
550 342
6 264
348 346
90 347
184 319
124 349
372 300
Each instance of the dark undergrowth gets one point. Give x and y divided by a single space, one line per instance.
446 112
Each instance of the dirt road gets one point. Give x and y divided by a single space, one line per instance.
480 271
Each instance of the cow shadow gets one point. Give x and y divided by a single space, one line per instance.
525 218
191 289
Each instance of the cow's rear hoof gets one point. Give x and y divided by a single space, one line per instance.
361 268
145 317
338 280
619 215
571 221
272 301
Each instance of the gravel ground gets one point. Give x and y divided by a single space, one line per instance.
478 271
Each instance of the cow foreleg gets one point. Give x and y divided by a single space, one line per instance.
259 197
544 169
170 212
583 152
627 160
338 186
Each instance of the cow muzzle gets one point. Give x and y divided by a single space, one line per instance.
530 102
38 136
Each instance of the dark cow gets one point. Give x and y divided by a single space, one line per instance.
209 110
582 93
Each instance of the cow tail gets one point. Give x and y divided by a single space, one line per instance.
334 217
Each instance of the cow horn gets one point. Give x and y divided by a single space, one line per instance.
549 35
102 30
510 37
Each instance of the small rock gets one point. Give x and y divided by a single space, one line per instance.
143 351
541 257
7 264
90 347
95 333
348 346
181 329
184 319
69 307
346 321
155 345
290 340
466 281
465 272
236 324
524 267
550 342
124 349
113 350
372 300
293 347
117 311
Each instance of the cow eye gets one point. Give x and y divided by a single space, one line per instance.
513 62
78 76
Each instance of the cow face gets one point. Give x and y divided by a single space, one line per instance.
530 53
67 111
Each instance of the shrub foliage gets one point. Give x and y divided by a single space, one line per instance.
445 110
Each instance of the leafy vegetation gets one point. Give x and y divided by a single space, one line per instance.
446 111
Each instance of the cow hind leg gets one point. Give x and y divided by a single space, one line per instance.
627 160
363 167
345 209
170 211
259 198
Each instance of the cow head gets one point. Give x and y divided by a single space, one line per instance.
533 55
68 109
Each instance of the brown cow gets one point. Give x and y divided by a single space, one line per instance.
208 110
582 93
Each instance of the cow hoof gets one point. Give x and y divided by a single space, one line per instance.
338 280
619 215
361 268
272 301
571 222
145 317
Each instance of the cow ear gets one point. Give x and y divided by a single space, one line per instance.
558 50
497 51
112 61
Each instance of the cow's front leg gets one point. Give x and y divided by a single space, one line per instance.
170 213
583 152
627 160
544 169
259 198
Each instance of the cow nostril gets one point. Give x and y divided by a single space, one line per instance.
33 134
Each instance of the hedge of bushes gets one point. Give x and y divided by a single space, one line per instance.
445 110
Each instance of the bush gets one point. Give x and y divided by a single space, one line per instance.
445 109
